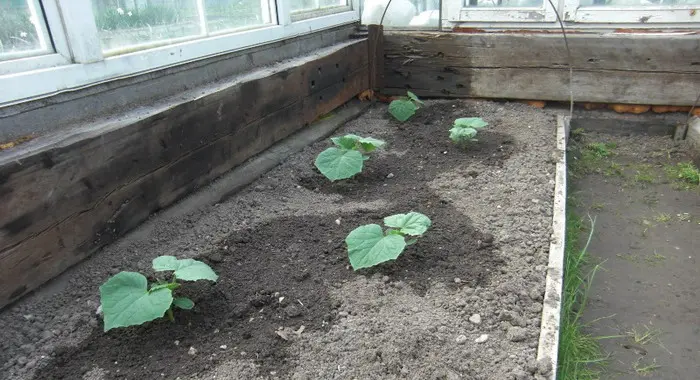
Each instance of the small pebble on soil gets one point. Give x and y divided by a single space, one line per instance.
475 319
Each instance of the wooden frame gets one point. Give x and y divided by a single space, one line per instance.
64 197
635 69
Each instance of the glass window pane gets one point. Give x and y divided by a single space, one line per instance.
129 23
402 13
637 3
225 15
312 5
504 3
22 30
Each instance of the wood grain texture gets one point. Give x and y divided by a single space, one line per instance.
61 202
631 69
375 42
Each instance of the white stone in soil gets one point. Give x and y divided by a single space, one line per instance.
475 319
461 339
192 351
482 338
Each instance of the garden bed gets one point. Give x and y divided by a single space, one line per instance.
287 304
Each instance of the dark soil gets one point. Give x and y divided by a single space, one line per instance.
279 250
646 240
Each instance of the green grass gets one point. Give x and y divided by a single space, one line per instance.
595 158
685 174
644 174
601 150
645 369
580 354
663 218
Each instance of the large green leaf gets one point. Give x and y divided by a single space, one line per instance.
462 134
413 223
367 246
126 300
186 269
471 122
335 163
402 109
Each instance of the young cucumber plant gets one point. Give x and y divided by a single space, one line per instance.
465 129
346 158
368 245
127 300
405 107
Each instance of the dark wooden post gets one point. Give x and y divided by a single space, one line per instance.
375 36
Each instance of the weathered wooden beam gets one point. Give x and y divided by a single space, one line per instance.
375 42
634 69
65 199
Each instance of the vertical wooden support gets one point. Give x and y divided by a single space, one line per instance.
375 38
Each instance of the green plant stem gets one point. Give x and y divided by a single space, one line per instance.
171 317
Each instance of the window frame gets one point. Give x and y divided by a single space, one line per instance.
575 16
57 52
79 62
454 11
648 16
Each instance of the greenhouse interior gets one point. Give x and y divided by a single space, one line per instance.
349 189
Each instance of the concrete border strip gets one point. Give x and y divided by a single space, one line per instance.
548 347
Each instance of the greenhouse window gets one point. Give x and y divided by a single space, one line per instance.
50 46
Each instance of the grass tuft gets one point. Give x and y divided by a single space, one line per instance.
580 354
685 173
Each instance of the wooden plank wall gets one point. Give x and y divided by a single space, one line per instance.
614 68
61 203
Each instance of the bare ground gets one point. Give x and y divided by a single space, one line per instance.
278 248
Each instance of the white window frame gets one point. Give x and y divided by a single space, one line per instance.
317 11
55 54
631 14
79 62
455 11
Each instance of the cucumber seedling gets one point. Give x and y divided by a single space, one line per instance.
346 158
403 108
465 129
369 245
127 299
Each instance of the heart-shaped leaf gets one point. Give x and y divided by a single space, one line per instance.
367 246
126 300
186 269
183 303
413 223
338 164
402 109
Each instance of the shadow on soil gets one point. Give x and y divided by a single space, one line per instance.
298 258
302 259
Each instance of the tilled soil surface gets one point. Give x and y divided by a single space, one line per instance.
463 303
